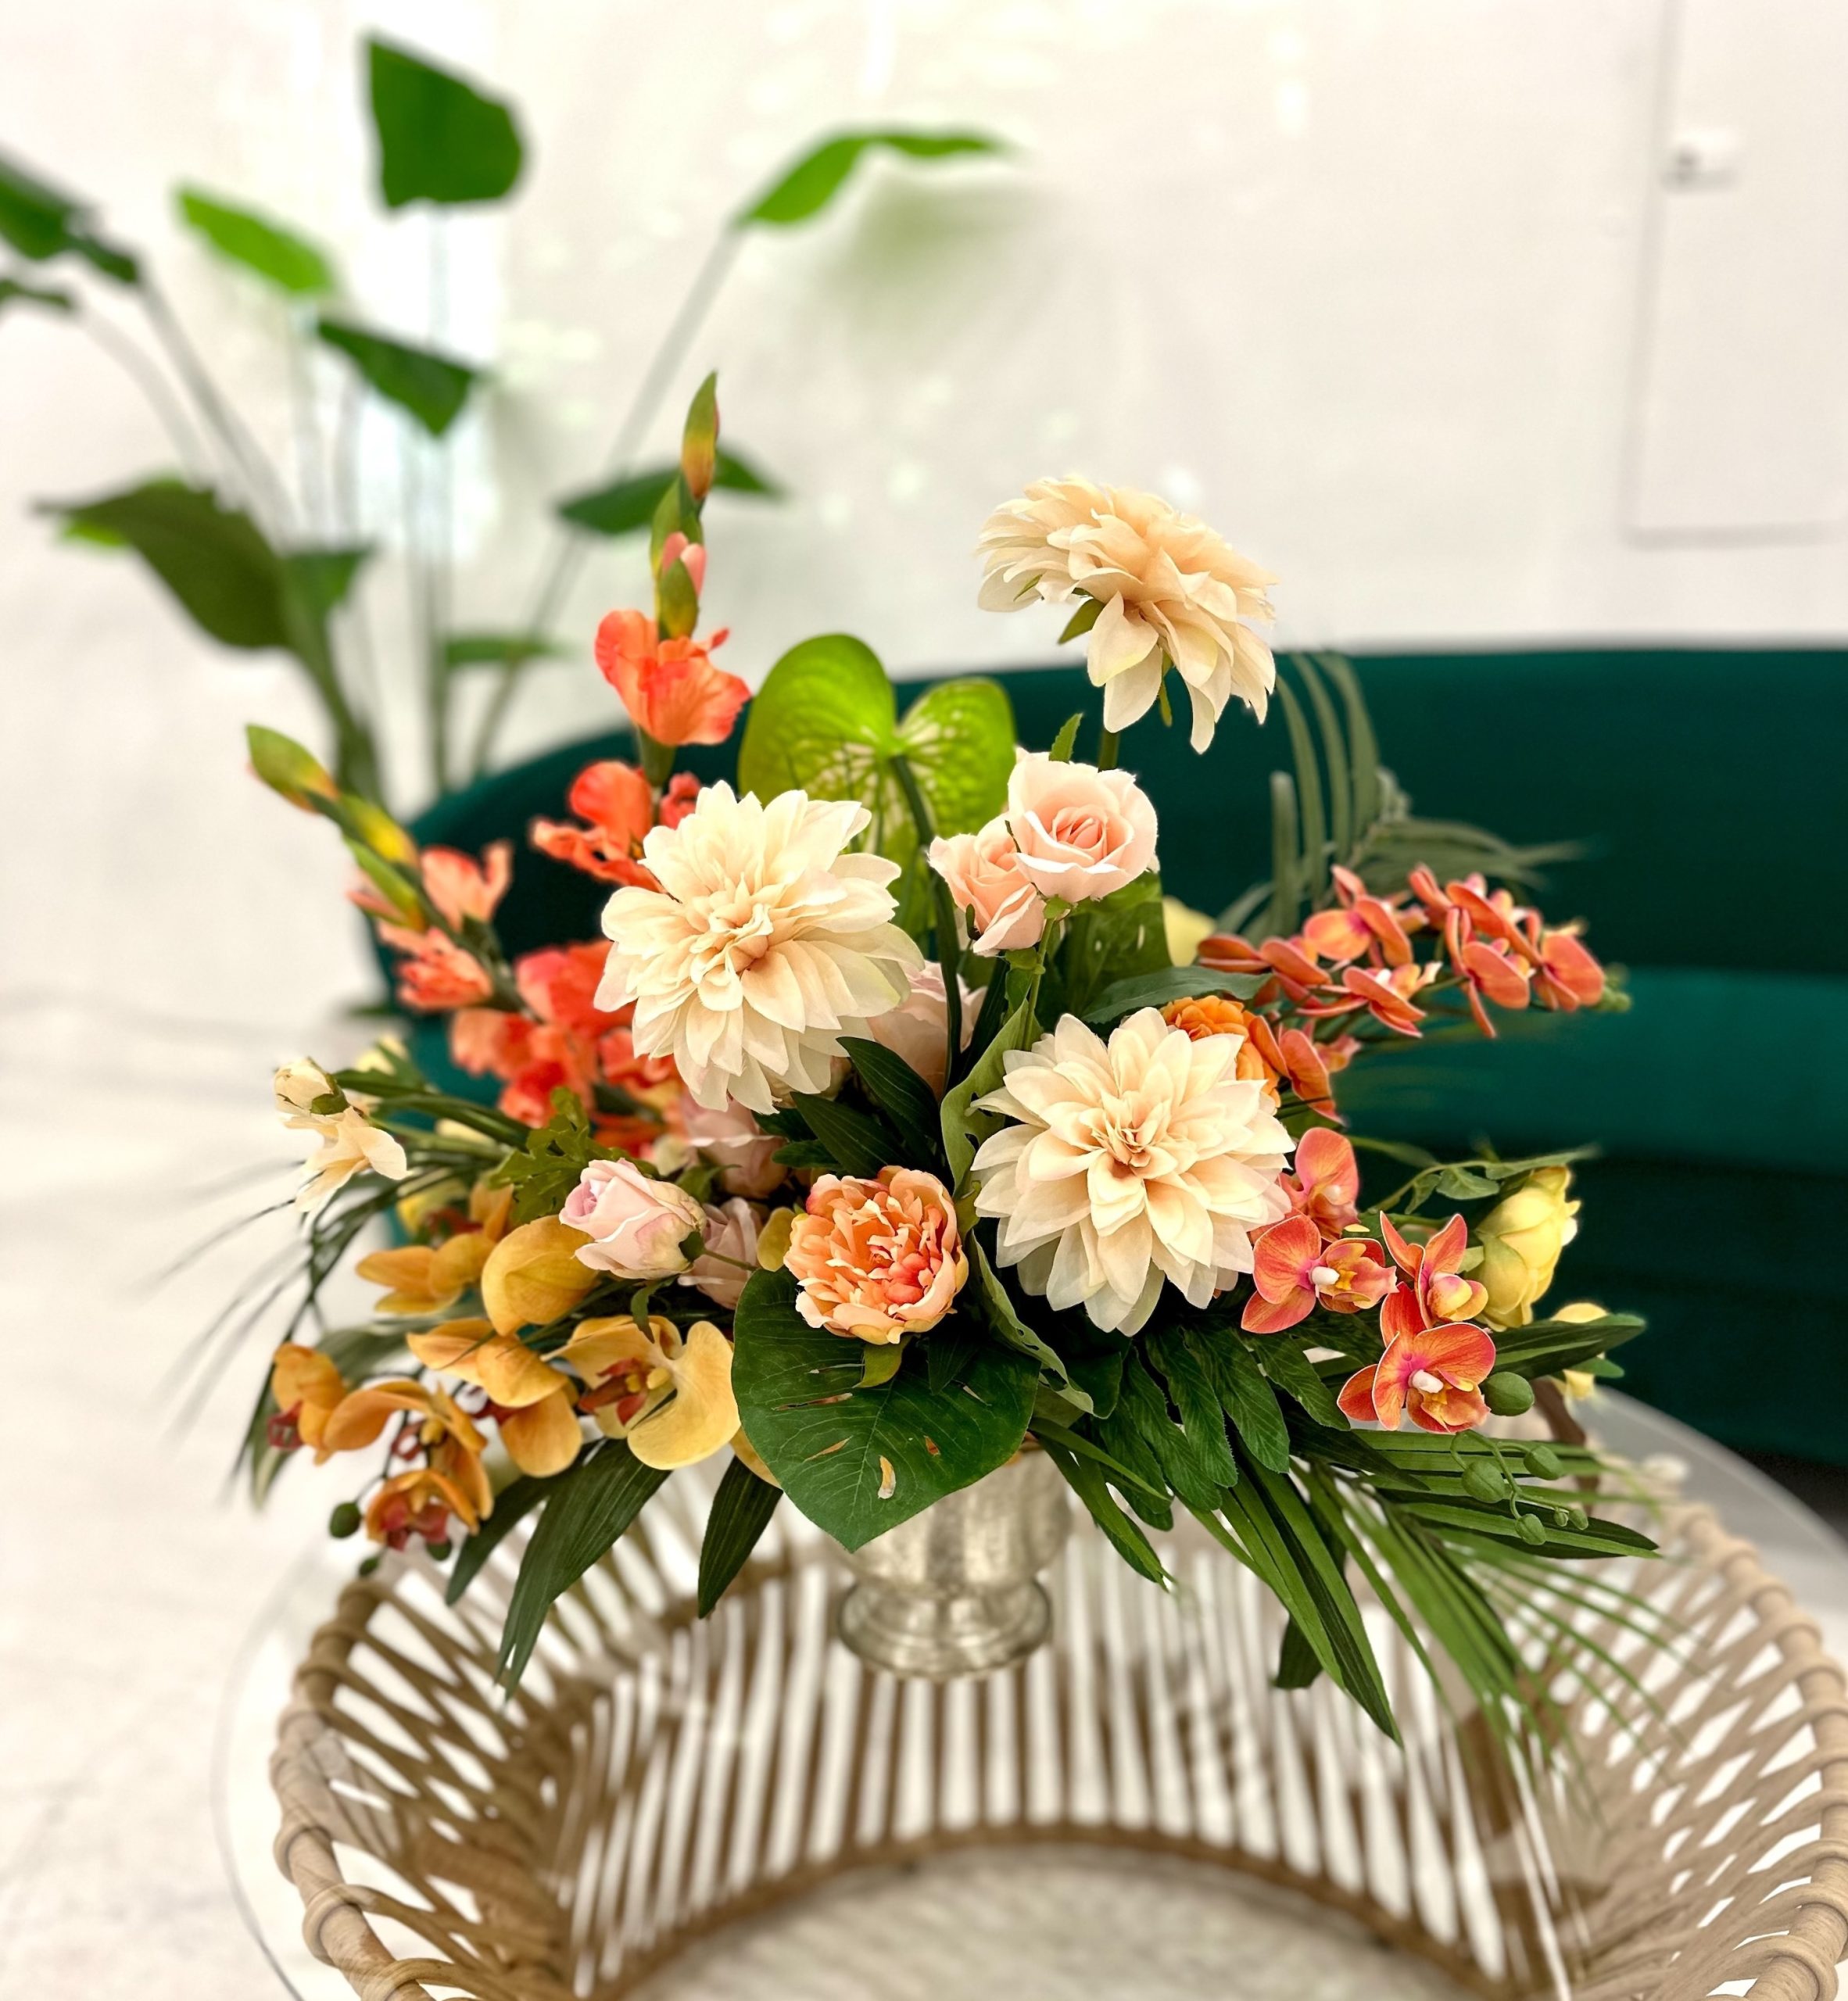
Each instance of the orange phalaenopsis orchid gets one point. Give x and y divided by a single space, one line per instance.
1430 1374
1294 1269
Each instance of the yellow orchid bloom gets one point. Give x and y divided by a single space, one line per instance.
669 1395
532 1275
358 1418
307 1389
420 1502
423 1278
534 1404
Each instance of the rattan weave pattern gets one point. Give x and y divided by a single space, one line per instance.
656 1776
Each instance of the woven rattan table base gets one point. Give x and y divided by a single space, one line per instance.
657 1779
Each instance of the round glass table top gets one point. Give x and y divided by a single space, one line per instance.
1067 1916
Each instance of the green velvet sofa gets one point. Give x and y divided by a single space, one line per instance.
1708 790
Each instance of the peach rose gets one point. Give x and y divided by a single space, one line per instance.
985 878
1081 832
877 1260
636 1225
918 1029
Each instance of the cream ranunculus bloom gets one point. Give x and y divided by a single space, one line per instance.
1168 586
1129 1162
1521 1238
765 943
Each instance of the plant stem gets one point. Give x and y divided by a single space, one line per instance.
1107 740
141 370
569 548
948 956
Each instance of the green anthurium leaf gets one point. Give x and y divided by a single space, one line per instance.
213 559
431 387
958 739
324 576
276 255
627 505
807 186
741 1512
500 649
859 1461
440 139
13 290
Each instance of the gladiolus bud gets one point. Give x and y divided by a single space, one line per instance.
699 443
286 769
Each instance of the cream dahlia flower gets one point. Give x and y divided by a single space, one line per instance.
1169 589
1130 1162
765 943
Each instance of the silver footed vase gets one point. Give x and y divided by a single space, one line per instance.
955 1591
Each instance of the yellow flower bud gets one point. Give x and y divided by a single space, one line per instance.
1521 1238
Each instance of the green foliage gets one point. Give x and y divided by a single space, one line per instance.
276 255
499 649
440 140
512 1504
827 720
1121 937
53 300
806 187
626 505
553 1160
858 1460
1472 1180
40 222
1157 989
741 1512
1544 1347
588 1509
903 1097
858 1142
1086 1479
213 559
323 578
964 1128
986 1296
431 388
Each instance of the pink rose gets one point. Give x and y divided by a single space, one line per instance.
636 1225
733 1141
1081 832
877 1260
730 1255
917 1029
984 875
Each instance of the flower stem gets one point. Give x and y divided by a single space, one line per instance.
944 921
1106 750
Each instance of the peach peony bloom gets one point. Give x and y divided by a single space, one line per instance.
731 1139
1081 832
1217 1014
636 1224
1170 588
877 1260
668 1394
985 879
731 1252
1129 1162
350 1144
670 687
765 945
917 1029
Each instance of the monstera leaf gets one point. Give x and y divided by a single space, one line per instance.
827 720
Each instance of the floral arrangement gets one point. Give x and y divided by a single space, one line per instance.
266 549
896 1124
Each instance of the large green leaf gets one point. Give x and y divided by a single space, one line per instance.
432 387
323 577
627 505
1121 937
858 1460
47 296
806 187
440 139
213 559
278 255
588 1510
41 221
1157 989
826 721
964 1128
500 649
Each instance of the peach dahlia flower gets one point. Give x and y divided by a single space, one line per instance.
877 1260
765 943
1128 1162
1169 589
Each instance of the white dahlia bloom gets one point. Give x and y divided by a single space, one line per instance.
764 946
1168 584
1127 1163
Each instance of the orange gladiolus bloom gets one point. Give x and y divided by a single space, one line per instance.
670 687
617 802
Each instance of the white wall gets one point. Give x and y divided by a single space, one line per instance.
1368 283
